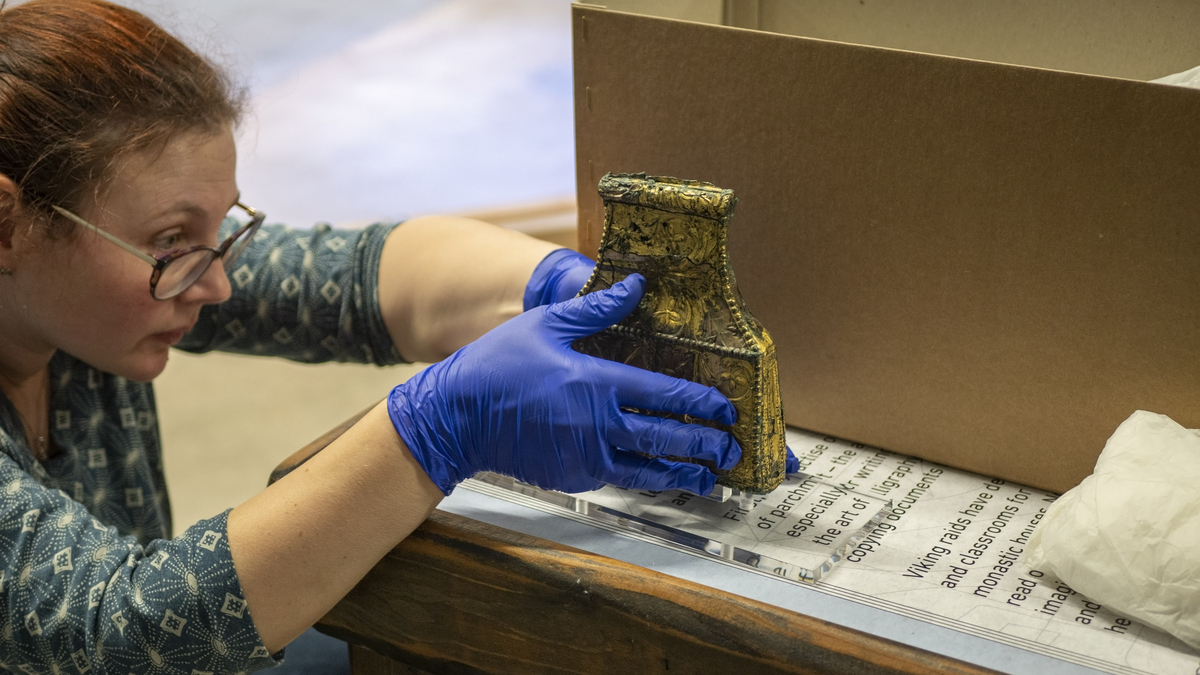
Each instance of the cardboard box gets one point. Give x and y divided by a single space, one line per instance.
985 265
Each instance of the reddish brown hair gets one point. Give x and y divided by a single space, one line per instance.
83 83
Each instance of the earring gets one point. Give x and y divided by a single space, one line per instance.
5 272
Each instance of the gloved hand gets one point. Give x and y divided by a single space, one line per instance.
520 402
559 276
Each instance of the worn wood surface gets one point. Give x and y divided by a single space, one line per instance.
461 596
363 661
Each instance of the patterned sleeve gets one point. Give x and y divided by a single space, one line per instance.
79 598
305 295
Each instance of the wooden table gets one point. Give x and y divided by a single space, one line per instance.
461 596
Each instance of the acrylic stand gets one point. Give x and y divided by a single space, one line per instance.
799 531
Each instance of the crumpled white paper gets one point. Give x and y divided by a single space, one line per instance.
1128 536
1188 78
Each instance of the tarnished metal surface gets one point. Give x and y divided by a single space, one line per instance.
692 322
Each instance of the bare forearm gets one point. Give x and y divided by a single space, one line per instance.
444 281
303 543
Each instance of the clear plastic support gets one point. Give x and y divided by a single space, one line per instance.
800 531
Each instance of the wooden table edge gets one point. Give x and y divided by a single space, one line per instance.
421 599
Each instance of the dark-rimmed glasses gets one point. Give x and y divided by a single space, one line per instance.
175 271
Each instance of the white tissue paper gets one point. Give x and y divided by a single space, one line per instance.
1128 536
1188 78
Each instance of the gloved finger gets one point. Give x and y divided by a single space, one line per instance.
638 388
572 280
791 464
661 436
558 277
645 473
594 312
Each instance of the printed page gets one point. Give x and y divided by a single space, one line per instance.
949 552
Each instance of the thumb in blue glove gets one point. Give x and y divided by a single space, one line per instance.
559 276
520 402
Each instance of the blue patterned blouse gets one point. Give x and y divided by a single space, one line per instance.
91 581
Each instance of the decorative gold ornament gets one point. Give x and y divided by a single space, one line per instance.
692 322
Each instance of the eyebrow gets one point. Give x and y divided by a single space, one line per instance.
191 208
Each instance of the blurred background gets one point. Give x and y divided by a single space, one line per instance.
361 110
385 109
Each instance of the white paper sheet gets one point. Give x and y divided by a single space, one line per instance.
949 555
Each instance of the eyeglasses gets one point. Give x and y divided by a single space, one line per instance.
176 271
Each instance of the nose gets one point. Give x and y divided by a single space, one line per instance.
211 288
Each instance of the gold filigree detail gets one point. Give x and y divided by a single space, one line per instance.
692 322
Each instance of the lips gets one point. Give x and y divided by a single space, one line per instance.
172 337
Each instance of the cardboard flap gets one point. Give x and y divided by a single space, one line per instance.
988 266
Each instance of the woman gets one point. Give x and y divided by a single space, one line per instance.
117 166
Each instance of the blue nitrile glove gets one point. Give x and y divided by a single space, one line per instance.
520 402
559 276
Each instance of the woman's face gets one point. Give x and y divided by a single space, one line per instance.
90 298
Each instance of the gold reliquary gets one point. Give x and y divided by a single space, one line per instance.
692 322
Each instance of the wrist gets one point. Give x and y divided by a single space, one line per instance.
419 426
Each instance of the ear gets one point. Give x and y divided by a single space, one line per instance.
10 208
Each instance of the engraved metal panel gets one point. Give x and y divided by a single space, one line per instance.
692 322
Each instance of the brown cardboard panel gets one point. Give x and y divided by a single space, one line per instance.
704 11
988 266
1136 39
1143 39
